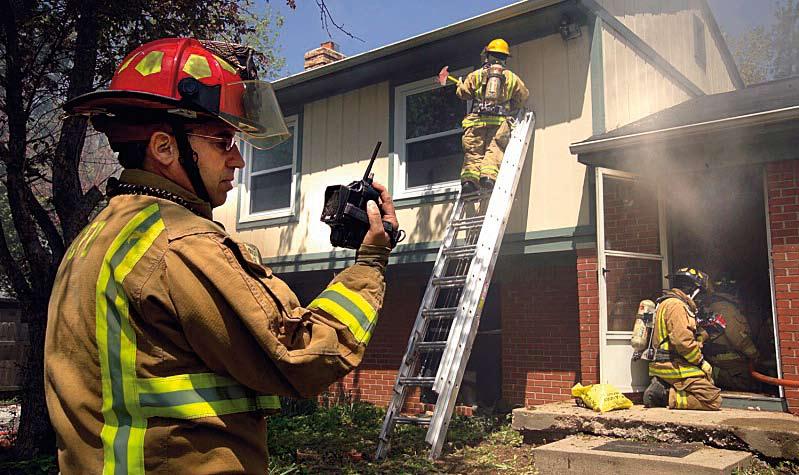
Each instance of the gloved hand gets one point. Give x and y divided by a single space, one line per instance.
707 369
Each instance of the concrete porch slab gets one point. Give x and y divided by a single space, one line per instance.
585 454
774 435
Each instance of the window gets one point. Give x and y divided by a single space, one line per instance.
700 53
427 131
270 179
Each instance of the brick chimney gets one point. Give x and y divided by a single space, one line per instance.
325 54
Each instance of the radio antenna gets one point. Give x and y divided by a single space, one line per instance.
372 161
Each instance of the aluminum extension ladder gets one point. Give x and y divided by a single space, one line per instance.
449 315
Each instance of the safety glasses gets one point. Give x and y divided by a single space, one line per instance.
227 142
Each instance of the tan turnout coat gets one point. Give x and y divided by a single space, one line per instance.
167 341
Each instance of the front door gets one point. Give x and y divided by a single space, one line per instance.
632 267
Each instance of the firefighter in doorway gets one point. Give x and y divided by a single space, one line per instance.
496 93
678 362
731 351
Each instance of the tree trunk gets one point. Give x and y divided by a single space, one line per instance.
35 436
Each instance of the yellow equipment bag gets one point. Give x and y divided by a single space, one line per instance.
601 397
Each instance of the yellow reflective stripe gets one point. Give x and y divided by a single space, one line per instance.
182 382
676 373
727 357
681 399
348 307
268 402
225 65
663 334
92 236
191 396
693 356
483 120
150 63
127 63
470 174
123 426
197 67
78 242
337 311
511 83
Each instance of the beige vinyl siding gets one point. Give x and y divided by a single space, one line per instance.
553 186
339 133
667 26
634 88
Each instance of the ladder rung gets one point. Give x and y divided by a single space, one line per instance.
419 421
480 195
461 251
417 381
453 281
440 313
468 223
431 345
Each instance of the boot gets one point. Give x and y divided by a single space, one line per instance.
487 183
468 187
656 394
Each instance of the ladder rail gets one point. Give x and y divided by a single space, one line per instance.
494 223
460 343
420 326
477 260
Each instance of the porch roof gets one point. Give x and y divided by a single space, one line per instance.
736 123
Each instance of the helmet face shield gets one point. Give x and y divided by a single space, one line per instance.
251 107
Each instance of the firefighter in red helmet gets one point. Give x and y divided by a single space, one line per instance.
167 340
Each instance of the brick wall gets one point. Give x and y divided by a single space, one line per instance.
783 205
373 380
588 313
540 331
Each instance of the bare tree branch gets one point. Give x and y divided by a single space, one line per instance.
327 18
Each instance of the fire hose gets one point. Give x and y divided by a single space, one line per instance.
788 383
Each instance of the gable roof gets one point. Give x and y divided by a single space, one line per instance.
456 45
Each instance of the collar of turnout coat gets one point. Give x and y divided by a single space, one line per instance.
680 295
141 178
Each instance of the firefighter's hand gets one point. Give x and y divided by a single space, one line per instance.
377 235
707 369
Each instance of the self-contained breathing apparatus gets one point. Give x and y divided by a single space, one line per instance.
643 331
345 211
493 84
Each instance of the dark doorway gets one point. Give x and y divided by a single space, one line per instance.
717 223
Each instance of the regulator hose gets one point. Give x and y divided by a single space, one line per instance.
788 383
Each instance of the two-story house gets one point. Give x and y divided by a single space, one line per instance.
584 242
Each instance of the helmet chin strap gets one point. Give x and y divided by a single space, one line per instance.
694 293
187 160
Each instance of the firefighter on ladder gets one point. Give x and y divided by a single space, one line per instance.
167 340
496 93
681 377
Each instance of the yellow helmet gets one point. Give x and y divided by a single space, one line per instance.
498 45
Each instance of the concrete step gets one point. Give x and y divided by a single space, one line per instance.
770 434
606 456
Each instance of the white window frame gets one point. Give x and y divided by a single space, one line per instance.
401 190
245 216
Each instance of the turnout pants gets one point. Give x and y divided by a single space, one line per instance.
483 149
694 393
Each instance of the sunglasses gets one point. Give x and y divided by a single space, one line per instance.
227 142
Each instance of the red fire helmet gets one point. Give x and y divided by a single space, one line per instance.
182 76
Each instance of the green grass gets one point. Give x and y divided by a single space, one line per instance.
343 439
